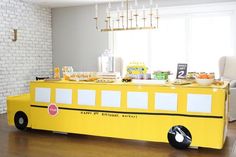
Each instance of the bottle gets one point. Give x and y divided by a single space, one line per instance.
57 72
111 61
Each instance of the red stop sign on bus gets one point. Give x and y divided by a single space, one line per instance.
52 109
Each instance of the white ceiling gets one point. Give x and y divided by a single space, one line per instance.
66 3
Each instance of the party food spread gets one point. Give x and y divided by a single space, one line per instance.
135 73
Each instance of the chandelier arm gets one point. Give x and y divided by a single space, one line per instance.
109 21
127 13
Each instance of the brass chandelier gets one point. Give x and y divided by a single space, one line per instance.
129 18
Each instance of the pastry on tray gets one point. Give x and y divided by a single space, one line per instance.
181 82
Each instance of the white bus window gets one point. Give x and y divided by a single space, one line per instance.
42 95
166 101
137 100
87 97
64 96
111 98
199 103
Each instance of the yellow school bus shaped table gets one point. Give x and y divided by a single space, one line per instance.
188 115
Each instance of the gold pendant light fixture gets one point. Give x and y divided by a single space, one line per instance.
128 18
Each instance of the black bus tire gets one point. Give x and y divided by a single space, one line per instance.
179 137
21 120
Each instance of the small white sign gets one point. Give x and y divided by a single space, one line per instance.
87 97
166 101
42 95
111 98
199 103
64 96
138 100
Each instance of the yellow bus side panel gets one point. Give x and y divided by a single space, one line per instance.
208 131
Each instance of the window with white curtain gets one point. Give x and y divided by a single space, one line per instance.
197 35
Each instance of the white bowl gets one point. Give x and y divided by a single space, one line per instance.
204 82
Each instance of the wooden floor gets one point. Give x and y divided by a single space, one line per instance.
34 143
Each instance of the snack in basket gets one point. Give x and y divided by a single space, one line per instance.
181 82
105 80
127 79
206 76
219 83
205 79
83 76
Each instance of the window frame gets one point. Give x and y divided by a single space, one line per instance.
189 11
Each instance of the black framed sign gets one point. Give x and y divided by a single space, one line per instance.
181 71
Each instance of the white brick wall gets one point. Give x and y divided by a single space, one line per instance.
31 54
